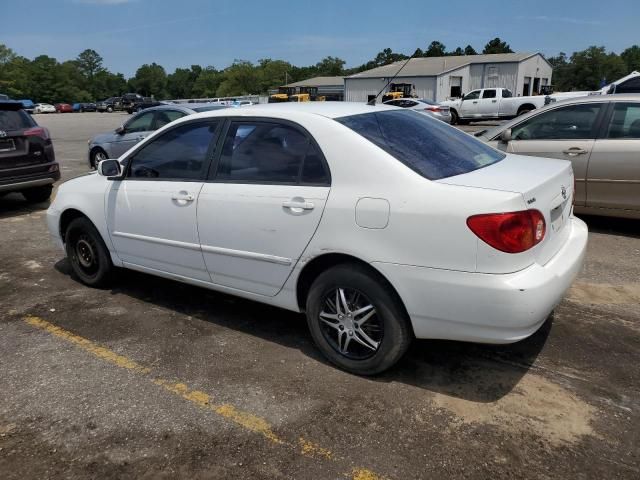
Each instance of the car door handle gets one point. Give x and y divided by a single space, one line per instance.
475 101
494 101
300 205
574 151
183 197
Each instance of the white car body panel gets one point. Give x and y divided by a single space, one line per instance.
412 230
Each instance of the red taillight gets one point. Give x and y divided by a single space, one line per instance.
433 109
36 132
512 232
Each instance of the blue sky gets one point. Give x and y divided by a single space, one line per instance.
175 33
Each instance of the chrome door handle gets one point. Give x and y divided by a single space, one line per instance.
300 205
494 101
183 197
574 151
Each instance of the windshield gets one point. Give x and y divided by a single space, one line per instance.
427 146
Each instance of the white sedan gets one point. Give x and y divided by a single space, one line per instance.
380 223
44 108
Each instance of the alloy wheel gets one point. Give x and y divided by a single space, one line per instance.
351 324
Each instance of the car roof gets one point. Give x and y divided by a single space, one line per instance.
324 109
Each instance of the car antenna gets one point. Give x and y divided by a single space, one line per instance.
372 102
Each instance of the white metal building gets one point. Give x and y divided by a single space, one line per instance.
438 78
330 87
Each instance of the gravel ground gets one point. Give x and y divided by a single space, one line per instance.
155 379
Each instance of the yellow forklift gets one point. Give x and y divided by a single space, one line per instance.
399 90
283 95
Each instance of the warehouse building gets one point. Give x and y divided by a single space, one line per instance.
332 88
439 78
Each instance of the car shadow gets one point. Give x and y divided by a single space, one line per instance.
474 372
14 205
611 225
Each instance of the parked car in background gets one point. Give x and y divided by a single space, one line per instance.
142 103
4 97
600 135
28 105
323 208
63 108
627 84
44 108
441 112
84 107
109 105
113 144
27 160
492 104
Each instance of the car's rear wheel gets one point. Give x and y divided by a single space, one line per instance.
356 320
109 109
454 117
37 194
87 253
97 155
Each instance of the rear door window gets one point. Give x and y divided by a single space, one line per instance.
270 152
141 123
490 93
625 121
428 146
164 117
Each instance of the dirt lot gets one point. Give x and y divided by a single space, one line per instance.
154 379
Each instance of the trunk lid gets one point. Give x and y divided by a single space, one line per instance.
545 185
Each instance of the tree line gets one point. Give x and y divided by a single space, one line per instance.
85 78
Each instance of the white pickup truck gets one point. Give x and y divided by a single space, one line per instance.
491 104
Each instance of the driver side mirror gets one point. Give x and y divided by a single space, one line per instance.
109 168
120 130
505 136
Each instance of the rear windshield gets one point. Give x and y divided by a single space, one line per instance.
426 145
15 120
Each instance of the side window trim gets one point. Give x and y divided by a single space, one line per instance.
207 160
603 132
215 163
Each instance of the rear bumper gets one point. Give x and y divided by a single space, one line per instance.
487 308
17 179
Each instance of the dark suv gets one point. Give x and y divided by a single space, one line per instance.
27 162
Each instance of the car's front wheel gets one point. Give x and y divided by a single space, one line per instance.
109 109
356 320
37 194
87 253
97 155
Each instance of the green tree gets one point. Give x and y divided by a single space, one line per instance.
469 50
418 53
457 52
497 46
150 80
593 67
207 83
631 58
271 74
241 78
330 66
436 49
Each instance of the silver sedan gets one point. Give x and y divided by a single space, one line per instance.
434 109
115 143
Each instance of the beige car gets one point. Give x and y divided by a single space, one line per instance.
599 134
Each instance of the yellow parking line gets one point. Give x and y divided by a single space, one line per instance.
246 420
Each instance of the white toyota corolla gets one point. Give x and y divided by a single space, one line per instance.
380 223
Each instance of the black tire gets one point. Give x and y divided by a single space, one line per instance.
522 111
82 110
37 194
109 109
88 255
388 326
94 160
454 117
